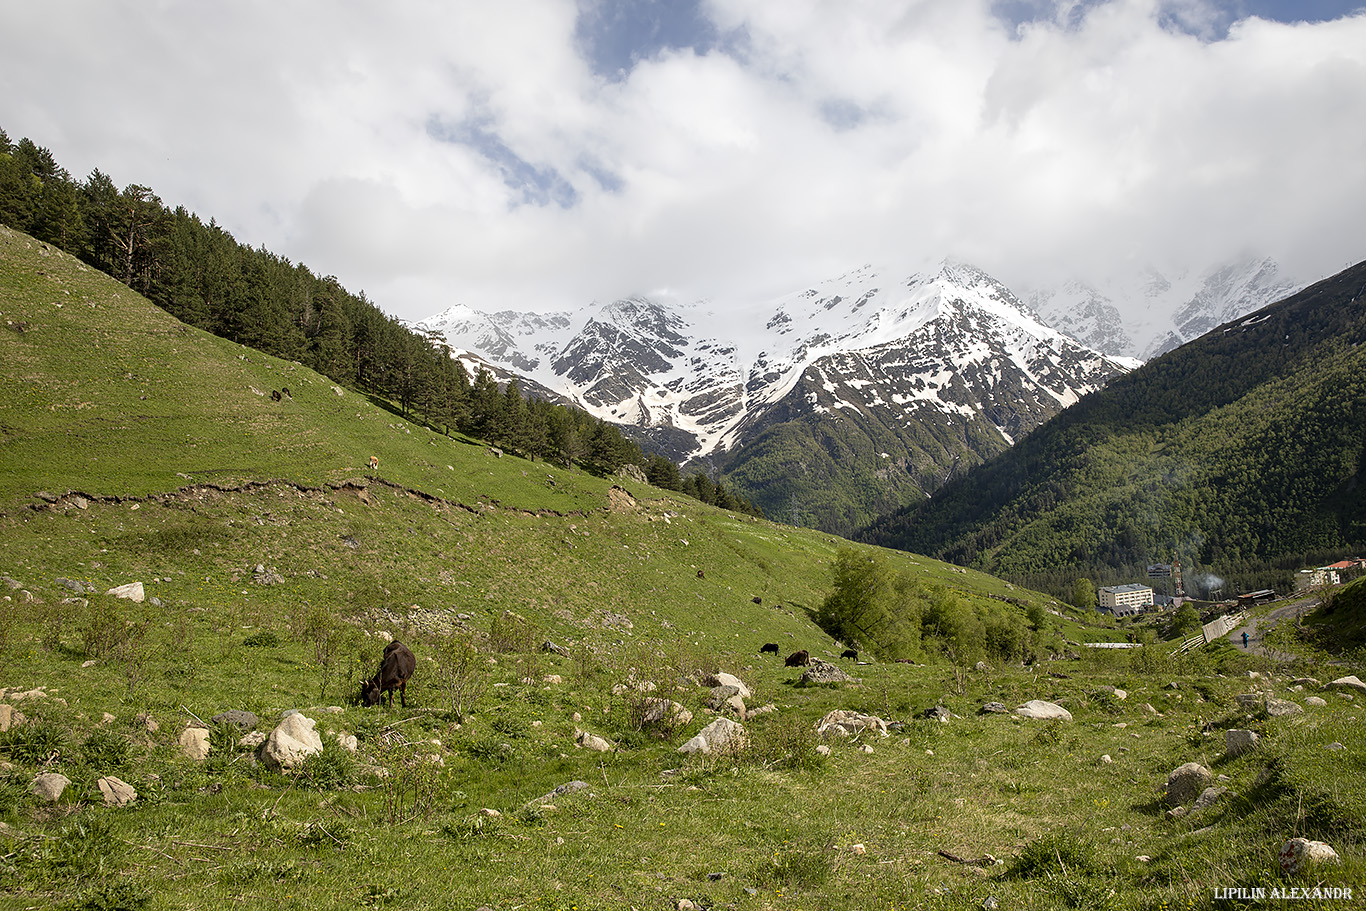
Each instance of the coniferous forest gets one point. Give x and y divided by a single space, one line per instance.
202 275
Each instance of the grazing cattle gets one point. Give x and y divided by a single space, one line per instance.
850 653
394 670
769 647
374 463
275 395
799 659
757 600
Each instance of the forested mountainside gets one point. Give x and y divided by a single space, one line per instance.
1240 453
200 274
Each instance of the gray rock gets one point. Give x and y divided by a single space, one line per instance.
1350 683
1306 681
1237 742
846 723
49 786
1038 708
938 713
1316 701
239 718
994 708
1208 798
724 679
822 672
1186 782
568 787
657 710
1281 707
722 735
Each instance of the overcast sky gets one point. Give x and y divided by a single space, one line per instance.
537 154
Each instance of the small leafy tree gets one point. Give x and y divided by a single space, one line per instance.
1084 594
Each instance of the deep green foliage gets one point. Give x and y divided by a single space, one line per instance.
897 615
1240 454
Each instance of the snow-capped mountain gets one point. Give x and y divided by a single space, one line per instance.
1150 313
911 374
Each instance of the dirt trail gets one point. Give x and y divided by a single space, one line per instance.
1255 625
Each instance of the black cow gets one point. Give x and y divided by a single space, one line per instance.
769 647
799 659
395 668
850 653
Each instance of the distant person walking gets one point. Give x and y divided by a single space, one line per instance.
1244 640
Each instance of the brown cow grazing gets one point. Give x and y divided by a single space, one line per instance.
799 659
850 653
769 647
395 668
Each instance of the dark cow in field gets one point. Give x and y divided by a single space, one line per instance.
769 647
799 659
850 653
395 668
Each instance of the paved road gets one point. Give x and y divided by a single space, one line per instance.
1254 626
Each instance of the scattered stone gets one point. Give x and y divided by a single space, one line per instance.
1306 681
592 742
491 814
720 736
348 742
49 786
239 718
568 787
858 849
823 749
8 716
551 647
1299 854
1249 701
1175 813
1281 707
865 748
147 721
1038 708
981 666
1238 742
194 743
846 723
294 739
938 713
252 740
132 591
1186 782
1106 760
116 793
994 708
657 710
1351 683
822 672
1316 701
724 679
1208 798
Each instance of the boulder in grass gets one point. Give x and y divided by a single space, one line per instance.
846 723
293 740
49 786
194 743
1349 684
1186 782
1038 708
1238 742
1300 854
117 793
722 735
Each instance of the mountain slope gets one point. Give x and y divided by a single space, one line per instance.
1234 451
882 386
1150 313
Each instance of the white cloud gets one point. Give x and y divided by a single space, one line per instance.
464 152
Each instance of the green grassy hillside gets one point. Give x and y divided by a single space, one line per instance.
137 450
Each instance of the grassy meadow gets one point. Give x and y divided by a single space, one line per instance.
135 449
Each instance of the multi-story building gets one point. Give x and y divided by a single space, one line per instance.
1125 600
